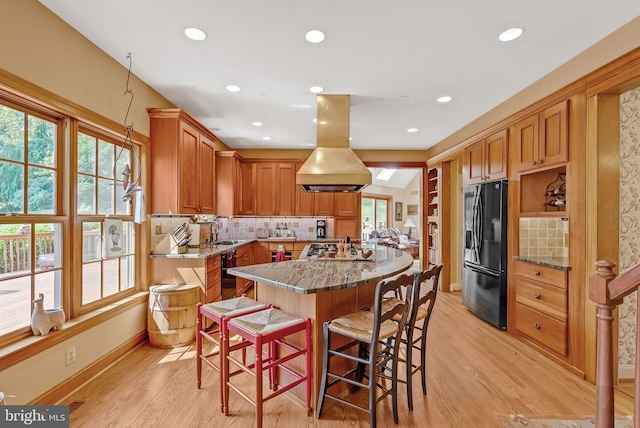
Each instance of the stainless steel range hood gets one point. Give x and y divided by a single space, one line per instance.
333 166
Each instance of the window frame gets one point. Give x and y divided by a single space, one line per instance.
69 119
78 308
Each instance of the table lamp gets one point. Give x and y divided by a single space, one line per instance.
409 223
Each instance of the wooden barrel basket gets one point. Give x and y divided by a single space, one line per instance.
171 317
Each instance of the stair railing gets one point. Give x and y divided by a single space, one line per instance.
607 290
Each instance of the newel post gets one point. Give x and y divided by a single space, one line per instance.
599 293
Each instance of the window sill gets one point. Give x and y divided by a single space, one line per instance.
25 348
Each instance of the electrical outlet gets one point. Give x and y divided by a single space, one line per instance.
70 356
158 229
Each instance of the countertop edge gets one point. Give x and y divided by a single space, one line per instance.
239 271
537 261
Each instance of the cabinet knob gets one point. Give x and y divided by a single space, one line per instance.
536 272
540 161
533 163
536 326
536 295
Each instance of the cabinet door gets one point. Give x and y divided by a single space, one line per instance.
526 143
496 145
263 253
238 188
207 176
347 204
323 204
348 226
247 191
304 200
473 167
265 188
553 135
286 188
189 166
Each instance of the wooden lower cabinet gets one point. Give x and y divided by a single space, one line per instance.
541 306
262 253
244 257
213 284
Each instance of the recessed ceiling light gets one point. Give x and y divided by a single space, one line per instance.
266 138
510 34
444 99
195 34
316 89
301 105
233 88
256 123
412 130
315 120
314 36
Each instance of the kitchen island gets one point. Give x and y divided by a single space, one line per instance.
322 290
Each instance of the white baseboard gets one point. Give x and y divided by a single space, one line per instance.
454 286
626 371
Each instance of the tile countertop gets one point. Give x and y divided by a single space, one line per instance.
316 276
203 251
553 262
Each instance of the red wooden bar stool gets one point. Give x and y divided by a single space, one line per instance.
219 312
270 328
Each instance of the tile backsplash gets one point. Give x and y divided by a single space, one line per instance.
547 237
239 227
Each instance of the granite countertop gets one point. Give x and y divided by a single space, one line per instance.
203 251
554 262
316 276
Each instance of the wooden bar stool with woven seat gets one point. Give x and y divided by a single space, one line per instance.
219 312
270 328
425 289
375 338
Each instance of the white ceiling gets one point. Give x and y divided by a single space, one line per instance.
393 57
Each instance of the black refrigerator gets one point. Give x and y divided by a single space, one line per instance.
484 272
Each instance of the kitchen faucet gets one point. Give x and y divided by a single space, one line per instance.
213 234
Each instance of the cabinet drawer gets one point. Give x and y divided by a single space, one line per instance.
211 294
545 274
542 328
243 251
550 301
213 277
213 263
244 260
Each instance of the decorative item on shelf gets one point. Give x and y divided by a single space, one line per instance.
555 194
409 223
43 320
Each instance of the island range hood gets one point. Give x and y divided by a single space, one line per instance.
333 166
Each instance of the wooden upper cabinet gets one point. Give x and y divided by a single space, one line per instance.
286 188
247 190
324 204
347 204
554 135
486 160
207 175
182 164
228 183
542 139
265 190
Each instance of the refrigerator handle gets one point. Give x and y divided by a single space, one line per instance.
477 225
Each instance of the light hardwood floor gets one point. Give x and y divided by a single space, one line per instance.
475 372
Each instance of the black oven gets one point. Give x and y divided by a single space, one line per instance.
228 261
